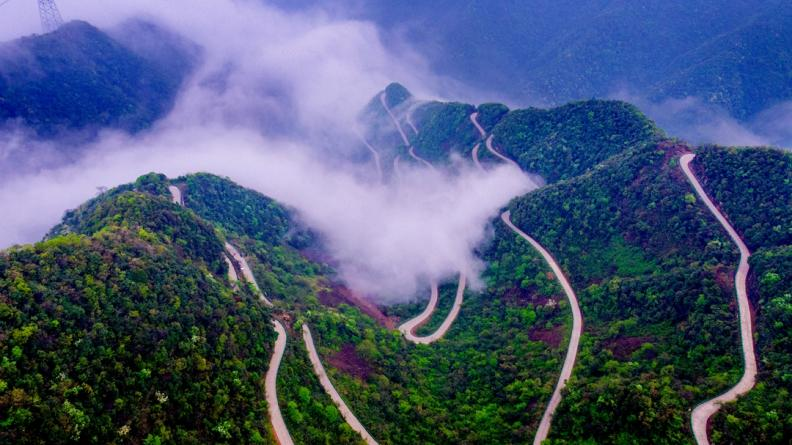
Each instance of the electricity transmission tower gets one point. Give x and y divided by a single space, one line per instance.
50 16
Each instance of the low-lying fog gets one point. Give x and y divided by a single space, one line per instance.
389 239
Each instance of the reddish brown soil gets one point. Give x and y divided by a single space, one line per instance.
552 337
517 296
623 347
335 294
724 276
672 150
349 362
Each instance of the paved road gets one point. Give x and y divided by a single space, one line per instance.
574 340
375 155
270 385
410 121
492 150
408 328
246 272
271 388
176 195
403 135
474 119
330 389
475 156
232 275
703 412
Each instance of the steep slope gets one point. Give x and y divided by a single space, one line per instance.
129 331
754 189
78 77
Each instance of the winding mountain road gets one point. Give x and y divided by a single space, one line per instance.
703 412
232 275
271 388
375 155
324 380
408 328
246 272
410 148
577 317
492 150
475 156
574 340
271 379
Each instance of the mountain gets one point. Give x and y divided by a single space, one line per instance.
732 55
79 78
126 323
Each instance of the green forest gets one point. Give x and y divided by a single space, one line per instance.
122 326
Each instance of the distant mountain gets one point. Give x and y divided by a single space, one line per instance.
80 78
733 55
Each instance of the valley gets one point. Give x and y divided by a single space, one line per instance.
589 279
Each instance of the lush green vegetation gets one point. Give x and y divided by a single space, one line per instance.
133 208
486 382
310 415
128 334
444 128
490 114
652 270
560 143
235 209
762 416
753 187
78 77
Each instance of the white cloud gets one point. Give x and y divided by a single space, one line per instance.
312 74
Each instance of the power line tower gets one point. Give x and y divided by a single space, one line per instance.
50 16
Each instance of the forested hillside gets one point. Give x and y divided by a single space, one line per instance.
125 326
80 78
754 187
129 332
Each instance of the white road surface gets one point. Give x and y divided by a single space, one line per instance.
703 412
409 327
246 272
271 388
574 340
350 418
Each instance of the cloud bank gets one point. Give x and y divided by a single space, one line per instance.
274 107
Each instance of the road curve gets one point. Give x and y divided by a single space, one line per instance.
176 195
350 418
232 275
574 340
492 150
408 328
703 412
475 156
403 135
271 379
375 155
474 119
271 388
246 272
